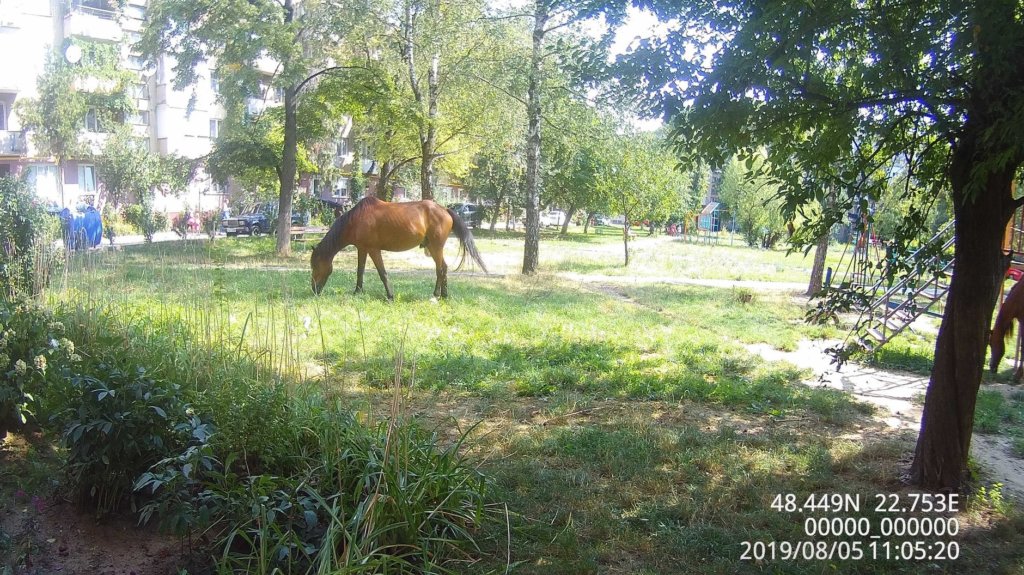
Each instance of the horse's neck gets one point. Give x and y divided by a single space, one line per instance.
331 249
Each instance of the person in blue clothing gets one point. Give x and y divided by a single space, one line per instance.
92 225
66 227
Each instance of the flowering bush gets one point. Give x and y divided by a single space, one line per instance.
34 354
26 255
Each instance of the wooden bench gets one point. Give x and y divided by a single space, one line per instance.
299 233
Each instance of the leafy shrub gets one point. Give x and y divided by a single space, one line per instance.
140 218
161 222
122 423
147 222
252 419
26 255
33 356
359 499
210 223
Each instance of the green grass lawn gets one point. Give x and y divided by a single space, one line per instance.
623 425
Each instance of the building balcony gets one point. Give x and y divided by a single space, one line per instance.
86 20
13 143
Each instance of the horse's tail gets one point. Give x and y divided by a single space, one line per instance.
466 244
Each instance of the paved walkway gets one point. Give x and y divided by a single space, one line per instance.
901 395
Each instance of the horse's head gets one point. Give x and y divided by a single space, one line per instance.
998 349
322 266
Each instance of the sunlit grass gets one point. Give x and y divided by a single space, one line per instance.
625 427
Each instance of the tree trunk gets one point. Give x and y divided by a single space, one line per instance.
943 446
625 240
818 269
496 213
288 169
429 138
531 256
586 223
384 188
60 181
288 160
568 218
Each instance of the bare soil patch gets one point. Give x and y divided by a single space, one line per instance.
45 534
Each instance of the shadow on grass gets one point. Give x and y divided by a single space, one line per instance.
643 498
705 374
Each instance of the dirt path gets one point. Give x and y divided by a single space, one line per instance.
901 395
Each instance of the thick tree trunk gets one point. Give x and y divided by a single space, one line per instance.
288 169
531 249
384 188
568 218
818 269
943 446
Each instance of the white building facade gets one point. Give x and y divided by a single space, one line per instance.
183 123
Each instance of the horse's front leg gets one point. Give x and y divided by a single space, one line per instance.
360 268
378 262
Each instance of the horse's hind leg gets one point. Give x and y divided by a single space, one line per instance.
1019 360
441 285
360 268
378 262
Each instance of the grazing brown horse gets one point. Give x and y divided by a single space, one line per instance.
1012 309
373 225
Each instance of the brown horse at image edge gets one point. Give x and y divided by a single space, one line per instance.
1012 309
373 226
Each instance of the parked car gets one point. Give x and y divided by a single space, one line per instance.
600 220
256 221
472 214
552 218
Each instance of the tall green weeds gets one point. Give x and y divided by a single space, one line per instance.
207 424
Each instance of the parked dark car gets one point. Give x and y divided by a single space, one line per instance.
256 221
472 214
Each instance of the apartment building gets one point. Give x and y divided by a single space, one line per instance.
180 122
174 122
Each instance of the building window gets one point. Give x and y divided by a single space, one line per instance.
214 81
43 179
86 179
139 118
136 63
343 147
8 14
214 128
340 189
3 116
140 91
136 12
92 121
278 94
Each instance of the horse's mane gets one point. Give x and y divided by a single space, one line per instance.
332 239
